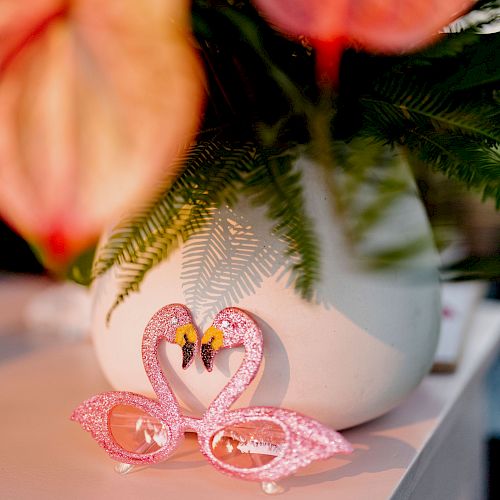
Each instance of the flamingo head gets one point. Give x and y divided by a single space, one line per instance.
174 324
231 327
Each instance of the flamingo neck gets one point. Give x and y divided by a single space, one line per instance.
150 358
243 376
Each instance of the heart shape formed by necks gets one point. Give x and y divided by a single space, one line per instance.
231 327
296 440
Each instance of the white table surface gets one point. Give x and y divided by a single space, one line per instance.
428 445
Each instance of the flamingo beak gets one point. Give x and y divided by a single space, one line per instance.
187 339
212 341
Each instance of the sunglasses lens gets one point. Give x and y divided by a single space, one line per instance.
248 445
135 430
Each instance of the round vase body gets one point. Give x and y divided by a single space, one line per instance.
348 356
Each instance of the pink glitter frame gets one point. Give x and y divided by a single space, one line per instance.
305 439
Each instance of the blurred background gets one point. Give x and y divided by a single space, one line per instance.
39 311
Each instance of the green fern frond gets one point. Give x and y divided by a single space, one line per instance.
131 272
451 45
397 107
134 234
475 165
370 180
384 259
275 185
212 176
473 268
225 261
481 66
456 135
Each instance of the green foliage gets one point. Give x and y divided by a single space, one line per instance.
80 271
449 120
369 182
457 138
275 185
478 167
409 108
452 45
482 68
213 174
440 106
473 268
371 179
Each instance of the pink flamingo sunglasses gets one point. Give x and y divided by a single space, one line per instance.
257 443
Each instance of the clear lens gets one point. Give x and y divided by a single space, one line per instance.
248 445
135 430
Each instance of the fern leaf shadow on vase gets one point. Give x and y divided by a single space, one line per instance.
227 260
210 176
345 363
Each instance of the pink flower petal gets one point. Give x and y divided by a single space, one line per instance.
404 25
388 26
378 25
94 107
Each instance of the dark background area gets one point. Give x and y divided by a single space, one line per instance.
15 254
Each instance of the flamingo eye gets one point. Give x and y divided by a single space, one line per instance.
174 320
225 323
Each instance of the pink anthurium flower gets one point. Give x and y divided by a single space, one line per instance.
97 98
387 26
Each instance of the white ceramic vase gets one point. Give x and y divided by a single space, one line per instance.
349 356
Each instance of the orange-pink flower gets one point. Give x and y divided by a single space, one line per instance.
388 26
97 98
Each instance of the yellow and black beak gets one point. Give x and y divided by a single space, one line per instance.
211 342
186 337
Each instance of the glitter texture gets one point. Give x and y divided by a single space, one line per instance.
305 440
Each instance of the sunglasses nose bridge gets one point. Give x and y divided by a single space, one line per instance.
191 424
